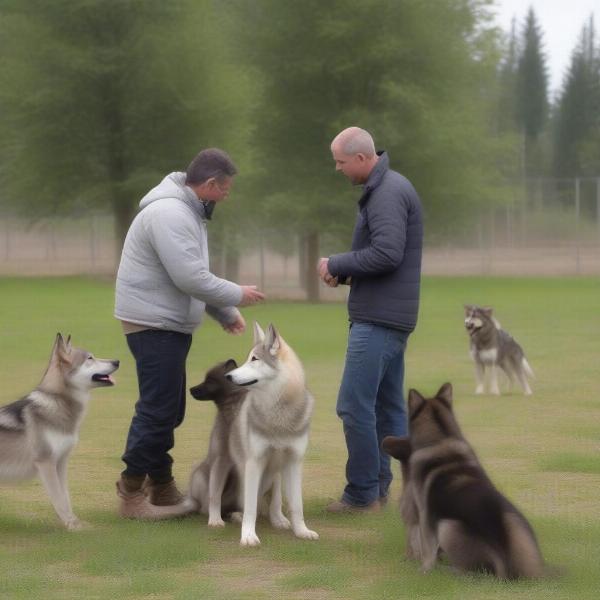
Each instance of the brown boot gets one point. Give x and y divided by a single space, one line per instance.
162 494
343 507
134 504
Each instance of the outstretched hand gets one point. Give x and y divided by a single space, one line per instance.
237 327
250 295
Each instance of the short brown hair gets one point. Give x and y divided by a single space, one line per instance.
211 162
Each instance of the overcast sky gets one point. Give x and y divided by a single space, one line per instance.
561 22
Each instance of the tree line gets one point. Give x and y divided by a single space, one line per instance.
99 99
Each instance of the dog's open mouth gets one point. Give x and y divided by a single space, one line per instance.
471 328
103 379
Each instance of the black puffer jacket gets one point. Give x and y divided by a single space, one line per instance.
385 260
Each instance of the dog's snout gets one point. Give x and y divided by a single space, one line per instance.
116 363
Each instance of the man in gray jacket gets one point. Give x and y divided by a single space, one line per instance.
383 270
164 286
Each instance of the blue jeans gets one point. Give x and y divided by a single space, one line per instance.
160 361
371 406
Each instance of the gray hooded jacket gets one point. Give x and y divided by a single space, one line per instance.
164 280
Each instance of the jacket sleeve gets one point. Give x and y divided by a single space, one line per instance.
175 239
387 216
225 315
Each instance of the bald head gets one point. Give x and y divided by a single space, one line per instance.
355 140
354 154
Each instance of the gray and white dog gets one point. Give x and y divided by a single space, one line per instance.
38 432
492 347
270 433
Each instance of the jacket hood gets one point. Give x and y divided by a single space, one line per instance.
173 186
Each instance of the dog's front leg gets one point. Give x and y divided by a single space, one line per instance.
276 516
253 471
216 482
48 472
480 377
292 482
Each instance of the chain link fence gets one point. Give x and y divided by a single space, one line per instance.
550 227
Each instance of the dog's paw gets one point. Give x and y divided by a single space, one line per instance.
280 521
76 525
306 534
249 539
216 522
479 390
236 517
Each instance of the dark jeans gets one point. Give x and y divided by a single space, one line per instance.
371 406
160 360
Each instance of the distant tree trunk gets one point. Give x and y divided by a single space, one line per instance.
124 211
232 258
311 277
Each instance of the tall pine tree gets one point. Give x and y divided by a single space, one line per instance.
531 95
577 132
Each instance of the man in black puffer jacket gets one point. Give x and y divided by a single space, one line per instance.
383 269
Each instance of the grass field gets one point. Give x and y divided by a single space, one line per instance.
543 452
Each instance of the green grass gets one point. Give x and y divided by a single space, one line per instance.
569 462
541 451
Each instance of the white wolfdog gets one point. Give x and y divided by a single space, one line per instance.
270 434
38 432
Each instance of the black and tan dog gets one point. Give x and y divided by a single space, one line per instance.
459 511
214 483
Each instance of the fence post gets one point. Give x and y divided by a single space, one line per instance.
7 239
262 260
598 205
93 243
577 210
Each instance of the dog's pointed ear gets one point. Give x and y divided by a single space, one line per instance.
230 365
272 340
59 352
468 308
58 340
414 401
445 393
487 310
259 334
64 349
398 447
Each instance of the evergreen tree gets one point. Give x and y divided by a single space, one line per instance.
507 83
577 133
532 94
